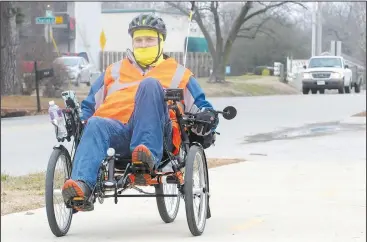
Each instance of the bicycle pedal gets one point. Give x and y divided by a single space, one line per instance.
82 205
77 201
84 208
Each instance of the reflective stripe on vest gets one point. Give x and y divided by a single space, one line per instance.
115 73
177 77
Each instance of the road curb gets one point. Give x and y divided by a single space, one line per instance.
354 120
12 113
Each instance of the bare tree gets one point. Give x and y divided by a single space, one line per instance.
346 22
220 46
131 5
33 46
10 83
359 11
281 35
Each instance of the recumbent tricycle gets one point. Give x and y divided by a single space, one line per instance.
117 174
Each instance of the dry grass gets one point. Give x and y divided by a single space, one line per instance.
24 193
247 85
15 106
361 114
27 102
212 163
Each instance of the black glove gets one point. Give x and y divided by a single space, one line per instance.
201 128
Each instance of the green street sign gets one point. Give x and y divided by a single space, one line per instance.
45 20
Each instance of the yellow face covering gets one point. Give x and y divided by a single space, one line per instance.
145 56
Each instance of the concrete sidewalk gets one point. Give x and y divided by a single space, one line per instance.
319 196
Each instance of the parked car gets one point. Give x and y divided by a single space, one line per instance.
78 68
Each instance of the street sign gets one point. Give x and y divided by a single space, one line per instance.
45 20
50 19
102 40
59 20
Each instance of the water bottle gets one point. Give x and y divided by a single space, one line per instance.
57 119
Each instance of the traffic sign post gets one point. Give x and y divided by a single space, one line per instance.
102 44
49 13
51 21
102 40
49 18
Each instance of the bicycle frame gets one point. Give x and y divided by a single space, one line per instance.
127 178
155 178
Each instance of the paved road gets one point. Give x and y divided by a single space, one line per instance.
27 141
306 189
292 194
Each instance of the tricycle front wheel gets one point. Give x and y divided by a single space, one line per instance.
58 171
196 190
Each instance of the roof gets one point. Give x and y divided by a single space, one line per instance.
69 57
141 11
326 56
197 44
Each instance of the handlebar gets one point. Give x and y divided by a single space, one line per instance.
188 119
228 113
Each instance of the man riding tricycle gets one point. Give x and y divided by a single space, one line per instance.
145 122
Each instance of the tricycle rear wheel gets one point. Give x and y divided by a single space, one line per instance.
167 206
58 228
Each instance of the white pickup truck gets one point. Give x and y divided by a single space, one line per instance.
327 72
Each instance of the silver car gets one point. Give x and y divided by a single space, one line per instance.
78 69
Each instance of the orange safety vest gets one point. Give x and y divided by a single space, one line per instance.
121 83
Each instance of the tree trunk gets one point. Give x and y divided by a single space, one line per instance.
219 68
9 44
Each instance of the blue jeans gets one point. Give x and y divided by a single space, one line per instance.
149 125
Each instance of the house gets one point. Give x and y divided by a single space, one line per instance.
89 20
115 23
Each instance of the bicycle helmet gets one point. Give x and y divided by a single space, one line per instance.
148 21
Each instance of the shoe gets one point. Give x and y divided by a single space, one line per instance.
75 190
142 157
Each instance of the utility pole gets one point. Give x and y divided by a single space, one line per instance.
319 29
316 45
68 32
313 35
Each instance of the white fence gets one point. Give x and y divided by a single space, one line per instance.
294 72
